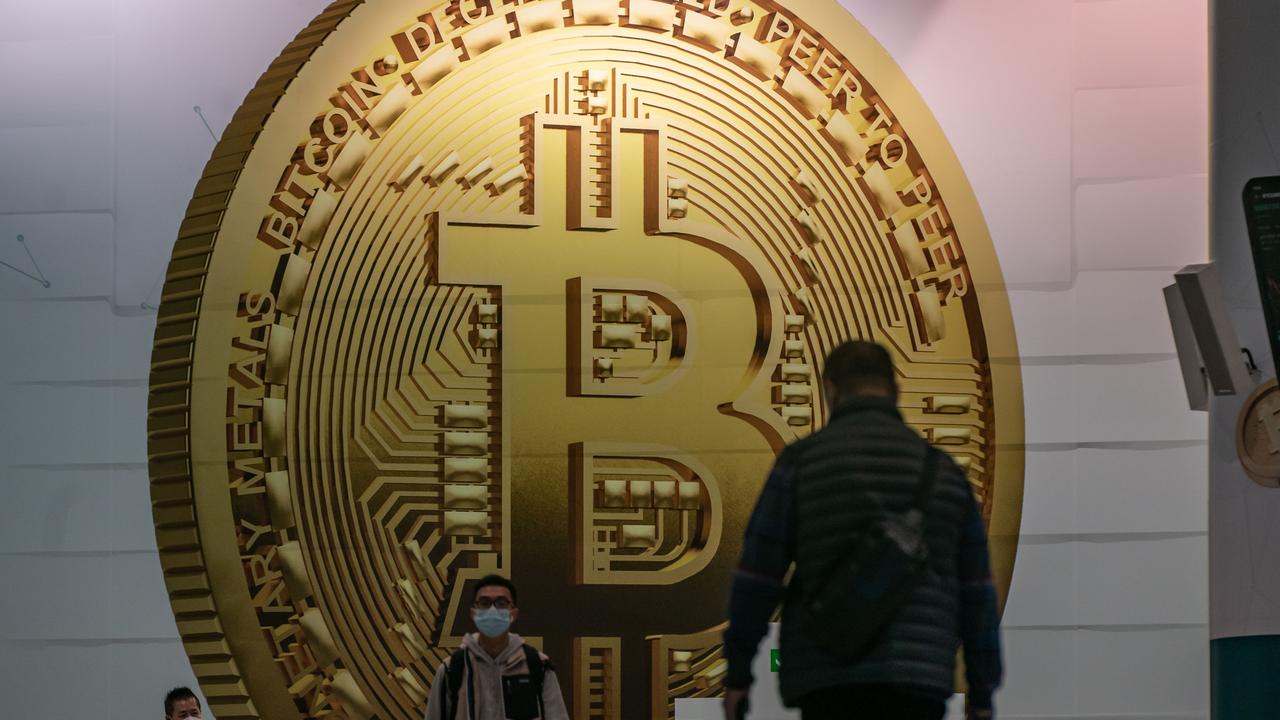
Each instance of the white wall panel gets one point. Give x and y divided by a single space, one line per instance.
1142 401
140 603
1049 492
1103 314
1041 672
1049 399
1146 490
1125 133
1146 673
56 681
1148 223
1108 580
84 596
141 672
75 253
1140 43
1153 580
1121 313
1151 673
56 596
73 424
110 680
75 510
1115 490
75 341
1245 587
37 81
1262 523
1044 587
1044 319
57 340
131 525
50 21
1232 594
57 168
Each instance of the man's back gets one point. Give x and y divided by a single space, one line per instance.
865 464
824 493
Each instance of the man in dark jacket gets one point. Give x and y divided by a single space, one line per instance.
823 492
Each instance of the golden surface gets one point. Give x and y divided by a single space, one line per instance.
542 288
1258 435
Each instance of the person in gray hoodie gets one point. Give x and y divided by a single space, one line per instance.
495 676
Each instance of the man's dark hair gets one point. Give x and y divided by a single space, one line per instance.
490 580
857 367
176 694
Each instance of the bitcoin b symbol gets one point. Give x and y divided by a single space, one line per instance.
620 350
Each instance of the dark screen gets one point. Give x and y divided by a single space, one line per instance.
1262 213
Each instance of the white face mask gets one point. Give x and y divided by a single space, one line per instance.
492 622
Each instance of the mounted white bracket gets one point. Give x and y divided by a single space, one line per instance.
1209 352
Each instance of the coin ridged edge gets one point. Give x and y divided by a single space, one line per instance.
173 493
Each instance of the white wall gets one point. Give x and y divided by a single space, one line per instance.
1081 125
99 152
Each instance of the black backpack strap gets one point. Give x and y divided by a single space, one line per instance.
537 668
537 671
457 664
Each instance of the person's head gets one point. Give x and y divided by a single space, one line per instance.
858 368
181 704
493 605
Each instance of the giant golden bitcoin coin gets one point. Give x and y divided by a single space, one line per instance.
541 288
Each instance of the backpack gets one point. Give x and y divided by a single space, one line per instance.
458 662
866 588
